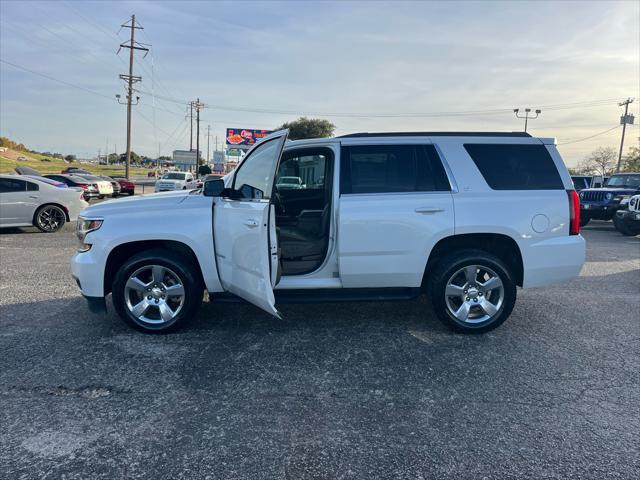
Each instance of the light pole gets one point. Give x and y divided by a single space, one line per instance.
526 116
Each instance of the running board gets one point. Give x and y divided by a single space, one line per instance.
331 295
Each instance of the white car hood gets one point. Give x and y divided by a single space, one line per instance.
152 201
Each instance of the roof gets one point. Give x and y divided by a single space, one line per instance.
437 134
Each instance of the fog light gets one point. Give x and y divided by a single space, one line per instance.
84 247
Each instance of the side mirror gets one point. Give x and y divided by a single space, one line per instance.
214 188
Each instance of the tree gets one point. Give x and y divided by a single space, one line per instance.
631 161
70 158
135 158
113 158
204 170
309 128
164 157
602 161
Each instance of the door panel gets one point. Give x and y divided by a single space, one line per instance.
246 245
384 240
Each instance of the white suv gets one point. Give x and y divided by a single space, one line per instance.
175 181
463 217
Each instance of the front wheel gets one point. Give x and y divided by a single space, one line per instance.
584 219
156 291
50 218
624 228
472 291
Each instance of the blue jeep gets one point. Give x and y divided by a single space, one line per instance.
602 203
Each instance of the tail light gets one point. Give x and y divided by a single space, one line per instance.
83 186
574 212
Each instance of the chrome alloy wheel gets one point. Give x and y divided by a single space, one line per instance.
154 294
50 219
474 294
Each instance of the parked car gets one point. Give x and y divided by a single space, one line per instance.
175 181
127 187
26 201
211 176
105 188
627 221
89 188
381 226
70 170
603 203
289 183
114 184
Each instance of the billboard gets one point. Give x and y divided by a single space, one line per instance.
245 136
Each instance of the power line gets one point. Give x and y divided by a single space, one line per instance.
590 136
20 67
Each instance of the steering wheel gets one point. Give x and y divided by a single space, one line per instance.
278 203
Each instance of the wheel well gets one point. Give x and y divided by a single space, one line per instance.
64 209
123 252
502 246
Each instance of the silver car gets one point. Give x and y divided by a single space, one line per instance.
26 201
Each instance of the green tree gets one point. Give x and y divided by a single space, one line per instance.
309 128
135 158
204 170
631 161
70 158
113 158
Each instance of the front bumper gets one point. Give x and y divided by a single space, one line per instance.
628 217
599 211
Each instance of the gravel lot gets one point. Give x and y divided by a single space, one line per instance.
377 390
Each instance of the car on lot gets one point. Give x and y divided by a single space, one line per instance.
105 188
127 187
115 185
603 203
289 183
580 182
627 221
463 217
26 201
89 188
175 181
77 170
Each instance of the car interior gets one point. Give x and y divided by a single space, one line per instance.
303 208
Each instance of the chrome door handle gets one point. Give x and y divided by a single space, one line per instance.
33 196
429 210
251 223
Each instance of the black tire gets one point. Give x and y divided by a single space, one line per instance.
452 263
49 218
182 267
625 229
584 219
100 197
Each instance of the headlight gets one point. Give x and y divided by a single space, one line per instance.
581 194
83 227
608 196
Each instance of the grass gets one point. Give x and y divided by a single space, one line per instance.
55 165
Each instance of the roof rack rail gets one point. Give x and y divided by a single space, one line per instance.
436 134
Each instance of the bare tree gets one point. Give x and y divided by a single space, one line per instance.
602 161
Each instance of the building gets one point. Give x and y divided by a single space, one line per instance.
185 160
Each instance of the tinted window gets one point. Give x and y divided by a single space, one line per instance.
32 187
623 181
9 185
392 168
515 167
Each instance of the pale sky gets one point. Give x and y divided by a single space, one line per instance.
372 63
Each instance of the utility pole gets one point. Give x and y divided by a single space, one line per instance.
208 136
198 106
526 117
130 79
191 127
624 120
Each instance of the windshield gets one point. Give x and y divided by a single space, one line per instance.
173 176
623 181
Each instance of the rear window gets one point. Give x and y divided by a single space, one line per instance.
515 167
391 169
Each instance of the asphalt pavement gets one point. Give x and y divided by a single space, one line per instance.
350 390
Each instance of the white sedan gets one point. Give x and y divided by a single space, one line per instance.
26 201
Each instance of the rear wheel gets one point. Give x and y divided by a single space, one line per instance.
50 218
472 291
156 291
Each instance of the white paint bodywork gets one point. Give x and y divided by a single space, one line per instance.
376 240
17 209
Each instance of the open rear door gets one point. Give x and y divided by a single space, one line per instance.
246 246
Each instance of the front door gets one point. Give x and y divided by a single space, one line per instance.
244 231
